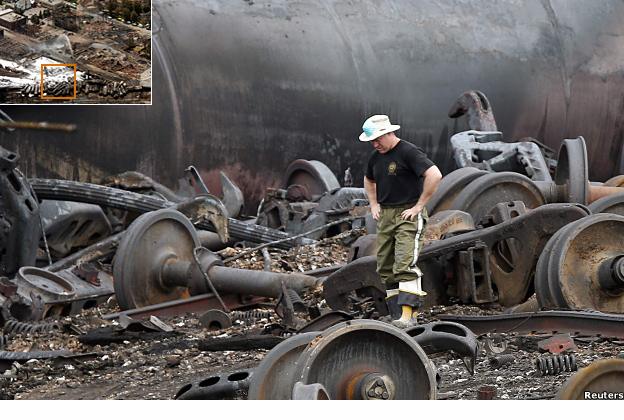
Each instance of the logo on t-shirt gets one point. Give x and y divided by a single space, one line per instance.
392 168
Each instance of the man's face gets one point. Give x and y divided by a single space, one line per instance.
383 143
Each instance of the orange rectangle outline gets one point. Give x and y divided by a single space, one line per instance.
52 98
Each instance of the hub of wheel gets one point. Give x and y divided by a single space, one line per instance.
375 386
344 361
582 266
611 275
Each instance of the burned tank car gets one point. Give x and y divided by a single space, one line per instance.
247 87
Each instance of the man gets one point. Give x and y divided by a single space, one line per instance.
399 181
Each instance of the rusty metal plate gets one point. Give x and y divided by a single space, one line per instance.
451 185
602 376
151 240
556 344
446 222
483 194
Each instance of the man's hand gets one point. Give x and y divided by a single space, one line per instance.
375 210
371 192
411 213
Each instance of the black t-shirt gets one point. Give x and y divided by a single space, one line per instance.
398 173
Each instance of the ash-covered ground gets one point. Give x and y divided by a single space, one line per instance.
155 365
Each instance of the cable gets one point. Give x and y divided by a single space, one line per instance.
199 267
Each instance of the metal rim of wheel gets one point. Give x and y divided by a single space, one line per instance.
451 185
309 392
547 295
274 377
616 181
540 281
345 358
575 262
480 196
314 175
573 170
151 240
605 375
613 204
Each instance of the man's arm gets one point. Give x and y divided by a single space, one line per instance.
371 191
432 179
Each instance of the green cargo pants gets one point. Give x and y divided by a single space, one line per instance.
399 243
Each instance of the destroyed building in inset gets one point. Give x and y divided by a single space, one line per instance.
113 54
12 20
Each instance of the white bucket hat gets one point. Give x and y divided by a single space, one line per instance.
377 126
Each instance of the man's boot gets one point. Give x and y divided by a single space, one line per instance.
410 313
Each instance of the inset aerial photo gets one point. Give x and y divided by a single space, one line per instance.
75 52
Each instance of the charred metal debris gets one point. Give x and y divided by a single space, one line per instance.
523 265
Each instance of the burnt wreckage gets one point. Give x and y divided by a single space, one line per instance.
516 226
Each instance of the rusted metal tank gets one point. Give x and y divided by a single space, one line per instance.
248 86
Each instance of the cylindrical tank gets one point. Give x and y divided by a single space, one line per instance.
248 86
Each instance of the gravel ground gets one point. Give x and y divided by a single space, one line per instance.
156 365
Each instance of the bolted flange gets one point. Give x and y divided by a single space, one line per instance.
611 275
377 386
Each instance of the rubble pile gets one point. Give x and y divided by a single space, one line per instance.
325 253
10 72
109 60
